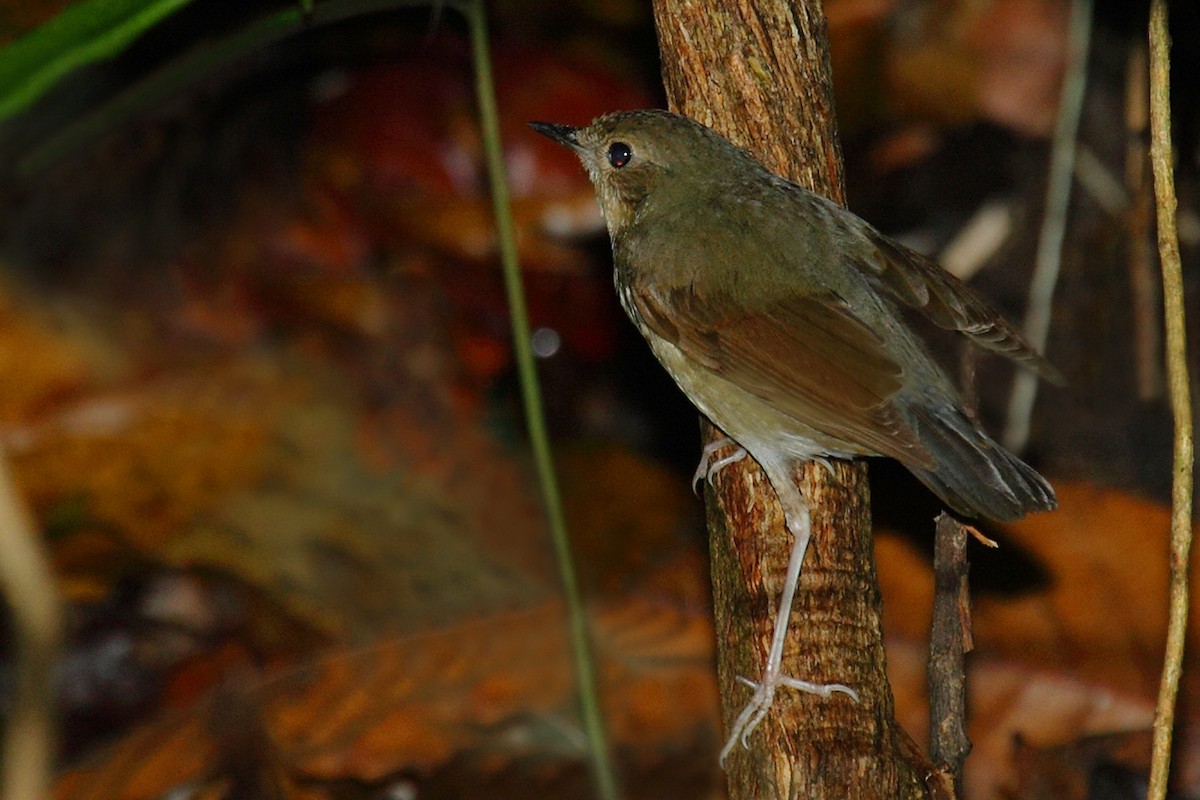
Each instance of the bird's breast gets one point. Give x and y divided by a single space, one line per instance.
755 424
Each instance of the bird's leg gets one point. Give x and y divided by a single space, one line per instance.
795 510
709 467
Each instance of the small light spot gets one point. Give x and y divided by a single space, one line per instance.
545 342
184 791
401 790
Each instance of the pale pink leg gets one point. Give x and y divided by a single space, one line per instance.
795 511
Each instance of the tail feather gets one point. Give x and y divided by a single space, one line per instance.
972 473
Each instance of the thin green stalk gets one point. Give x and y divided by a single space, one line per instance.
1161 156
602 769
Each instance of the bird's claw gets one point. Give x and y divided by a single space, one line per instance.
708 467
764 696
823 690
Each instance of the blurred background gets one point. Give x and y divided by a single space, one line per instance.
257 387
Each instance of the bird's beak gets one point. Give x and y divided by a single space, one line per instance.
563 134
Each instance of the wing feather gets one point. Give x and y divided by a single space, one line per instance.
807 356
920 283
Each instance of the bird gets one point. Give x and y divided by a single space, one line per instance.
785 319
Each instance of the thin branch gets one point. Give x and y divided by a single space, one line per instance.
29 741
1144 283
1161 156
950 640
1054 223
585 673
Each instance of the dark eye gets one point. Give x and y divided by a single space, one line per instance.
619 154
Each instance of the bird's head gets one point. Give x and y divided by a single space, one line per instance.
630 155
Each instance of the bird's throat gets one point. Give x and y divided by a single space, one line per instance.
619 204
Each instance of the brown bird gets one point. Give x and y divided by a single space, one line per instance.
782 317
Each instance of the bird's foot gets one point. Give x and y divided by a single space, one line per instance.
764 697
710 466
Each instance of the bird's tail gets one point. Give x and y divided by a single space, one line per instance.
972 473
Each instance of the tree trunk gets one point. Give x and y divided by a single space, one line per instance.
758 72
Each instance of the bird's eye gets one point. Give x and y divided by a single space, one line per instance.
619 154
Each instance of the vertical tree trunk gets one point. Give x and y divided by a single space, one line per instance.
758 72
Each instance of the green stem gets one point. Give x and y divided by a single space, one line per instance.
602 769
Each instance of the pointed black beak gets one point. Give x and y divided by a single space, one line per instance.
563 134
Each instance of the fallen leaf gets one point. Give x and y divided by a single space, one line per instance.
489 697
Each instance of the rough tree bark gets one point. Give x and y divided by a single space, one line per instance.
758 72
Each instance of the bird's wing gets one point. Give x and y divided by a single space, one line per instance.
920 283
807 356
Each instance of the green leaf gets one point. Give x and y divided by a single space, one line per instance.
85 33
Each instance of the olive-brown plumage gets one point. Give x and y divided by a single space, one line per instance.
742 281
782 317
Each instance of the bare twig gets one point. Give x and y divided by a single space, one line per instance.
1054 223
1177 384
29 741
950 639
1143 283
